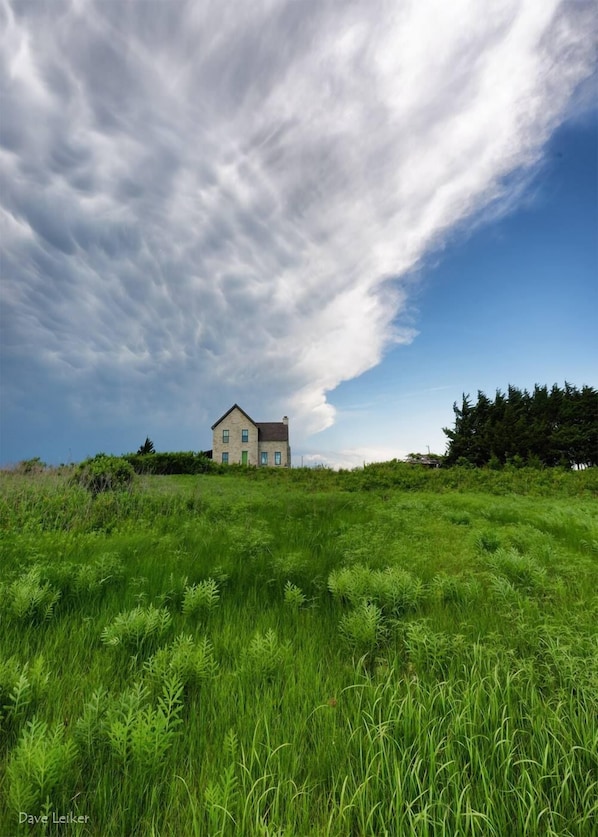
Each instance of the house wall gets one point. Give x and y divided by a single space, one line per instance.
271 448
235 422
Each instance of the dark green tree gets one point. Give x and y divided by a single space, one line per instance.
146 447
545 427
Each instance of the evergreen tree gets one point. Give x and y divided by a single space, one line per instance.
556 427
146 447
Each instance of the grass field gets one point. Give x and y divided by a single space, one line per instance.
386 653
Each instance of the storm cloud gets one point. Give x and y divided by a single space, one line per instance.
204 203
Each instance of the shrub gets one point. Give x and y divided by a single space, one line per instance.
104 473
31 466
184 462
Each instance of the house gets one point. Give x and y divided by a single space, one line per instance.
237 438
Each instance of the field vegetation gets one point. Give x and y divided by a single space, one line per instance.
390 651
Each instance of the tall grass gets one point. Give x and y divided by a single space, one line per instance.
299 655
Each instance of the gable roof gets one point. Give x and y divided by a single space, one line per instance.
234 407
272 431
268 431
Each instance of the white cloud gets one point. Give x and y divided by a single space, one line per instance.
221 202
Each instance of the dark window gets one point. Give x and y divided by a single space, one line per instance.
225 437
264 459
225 458
277 458
244 435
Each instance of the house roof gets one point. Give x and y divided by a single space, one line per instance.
234 407
268 431
272 431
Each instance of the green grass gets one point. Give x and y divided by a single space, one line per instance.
386 652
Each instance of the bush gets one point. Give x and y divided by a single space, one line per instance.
104 473
162 464
31 466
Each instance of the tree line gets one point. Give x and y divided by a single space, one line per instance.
556 426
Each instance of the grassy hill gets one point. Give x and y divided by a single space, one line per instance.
390 651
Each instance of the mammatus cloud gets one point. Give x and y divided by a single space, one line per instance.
204 203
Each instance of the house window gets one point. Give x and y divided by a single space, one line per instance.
225 458
244 435
277 458
225 437
264 458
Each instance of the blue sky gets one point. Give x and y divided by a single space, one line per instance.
325 210
514 302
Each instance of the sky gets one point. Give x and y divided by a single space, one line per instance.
349 213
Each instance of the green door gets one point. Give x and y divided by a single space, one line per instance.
244 457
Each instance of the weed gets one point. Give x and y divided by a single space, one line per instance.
82 581
266 656
488 541
28 599
139 735
451 589
363 629
189 661
39 767
294 596
521 570
138 628
22 687
394 590
201 597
